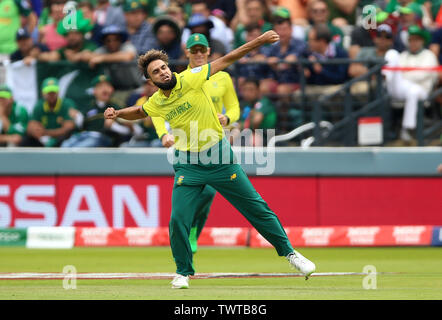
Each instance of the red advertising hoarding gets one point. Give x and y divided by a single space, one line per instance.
122 202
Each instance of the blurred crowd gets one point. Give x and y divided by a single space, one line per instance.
103 39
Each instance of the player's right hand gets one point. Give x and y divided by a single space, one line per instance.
110 113
168 140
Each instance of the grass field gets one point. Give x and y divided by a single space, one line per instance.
405 273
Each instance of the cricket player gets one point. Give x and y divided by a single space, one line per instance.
203 156
222 92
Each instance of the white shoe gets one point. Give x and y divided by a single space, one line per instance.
180 282
405 135
301 263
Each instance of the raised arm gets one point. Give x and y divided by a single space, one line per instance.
225 61
130 113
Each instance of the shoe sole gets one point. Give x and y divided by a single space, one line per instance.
182 287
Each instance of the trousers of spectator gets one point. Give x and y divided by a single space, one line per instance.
228 178
411 93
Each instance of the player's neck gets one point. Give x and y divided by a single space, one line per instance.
166 92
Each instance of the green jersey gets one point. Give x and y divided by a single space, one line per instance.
53 119
18 120
10 13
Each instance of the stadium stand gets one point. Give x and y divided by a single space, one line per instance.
335 64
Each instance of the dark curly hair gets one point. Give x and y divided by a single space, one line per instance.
151 55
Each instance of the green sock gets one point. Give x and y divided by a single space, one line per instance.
193 239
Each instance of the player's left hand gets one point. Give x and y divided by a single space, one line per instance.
222 119
270 37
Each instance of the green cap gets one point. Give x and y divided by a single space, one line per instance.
5 92
197 38
50 85
412 7
281 12
100 78
415 30
132 5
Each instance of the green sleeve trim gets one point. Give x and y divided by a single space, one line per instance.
208 73
144 110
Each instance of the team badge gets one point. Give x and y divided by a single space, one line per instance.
233 176
196 70
180 180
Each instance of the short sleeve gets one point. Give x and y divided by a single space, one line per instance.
149 107
128 47
196 77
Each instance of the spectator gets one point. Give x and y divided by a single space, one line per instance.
246 68
297 9
360 37
78 49
11 15
412 86
177 12
50 122
27 50
48 32
435 46
168 35
322 48
342 12
318 13
411 14
298 32
257 112
140 31
148 136
200 24
220 31
87 8
383 42
97 131
228 8
287 49
107 14
119 58
115 47
13 119
249 11
436 43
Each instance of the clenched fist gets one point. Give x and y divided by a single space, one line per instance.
270 37
168 140
110 113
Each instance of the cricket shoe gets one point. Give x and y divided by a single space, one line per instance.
180 282
304 265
